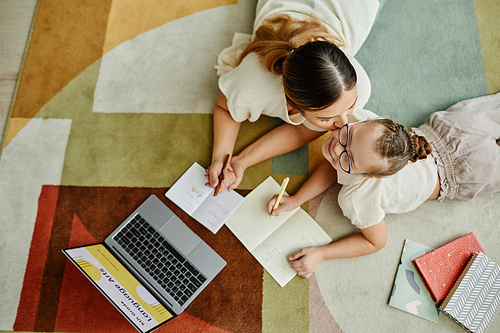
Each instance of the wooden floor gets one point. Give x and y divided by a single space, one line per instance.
15 23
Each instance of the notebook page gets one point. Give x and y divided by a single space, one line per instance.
299 231
189 191
214 211
250 223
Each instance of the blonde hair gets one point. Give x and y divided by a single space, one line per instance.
315 71
397 146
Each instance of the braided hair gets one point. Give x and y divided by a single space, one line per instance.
397 146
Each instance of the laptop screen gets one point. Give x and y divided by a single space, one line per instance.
130 297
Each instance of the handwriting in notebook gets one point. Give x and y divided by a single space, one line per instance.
193 197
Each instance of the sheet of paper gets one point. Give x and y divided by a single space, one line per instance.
214 211
299 231
195 198
250 223
189 191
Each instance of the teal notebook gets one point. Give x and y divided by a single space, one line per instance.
409 292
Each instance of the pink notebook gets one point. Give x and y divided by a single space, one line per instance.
440 268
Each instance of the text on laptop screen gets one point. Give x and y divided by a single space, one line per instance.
140 307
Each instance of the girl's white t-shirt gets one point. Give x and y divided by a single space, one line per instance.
366 201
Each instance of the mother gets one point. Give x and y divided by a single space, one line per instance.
297 66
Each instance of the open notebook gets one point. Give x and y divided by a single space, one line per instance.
271 241
195 198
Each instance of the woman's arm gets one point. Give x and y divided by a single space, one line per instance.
281 140
225 133
368 241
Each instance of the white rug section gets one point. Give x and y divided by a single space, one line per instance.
35 157
357 290
170 69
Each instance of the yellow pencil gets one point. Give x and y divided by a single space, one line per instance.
278 199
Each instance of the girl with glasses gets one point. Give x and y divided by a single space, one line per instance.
385 169
298 66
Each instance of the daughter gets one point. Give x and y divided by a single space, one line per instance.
386 169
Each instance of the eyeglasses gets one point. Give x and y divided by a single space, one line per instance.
345 158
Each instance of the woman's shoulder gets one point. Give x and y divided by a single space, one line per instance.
227 59
250 89
351 21
251 79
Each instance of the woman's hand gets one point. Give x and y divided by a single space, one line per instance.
306 260
232 175
286 204
238 169
213 174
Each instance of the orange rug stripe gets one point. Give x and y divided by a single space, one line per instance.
125 23
67 37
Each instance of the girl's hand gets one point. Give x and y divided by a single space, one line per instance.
306 260
286 204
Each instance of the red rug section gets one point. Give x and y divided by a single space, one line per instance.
78 295
30 293
231 303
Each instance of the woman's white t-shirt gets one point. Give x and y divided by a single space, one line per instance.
251 90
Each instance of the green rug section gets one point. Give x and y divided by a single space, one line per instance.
293 163
488 14
421 57
137 150
285 309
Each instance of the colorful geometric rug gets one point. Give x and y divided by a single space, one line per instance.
114 103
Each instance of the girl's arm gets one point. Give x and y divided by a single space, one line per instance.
319 181
368 241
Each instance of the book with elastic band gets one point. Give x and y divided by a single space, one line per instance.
475 298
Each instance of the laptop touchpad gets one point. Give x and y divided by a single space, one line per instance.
180 236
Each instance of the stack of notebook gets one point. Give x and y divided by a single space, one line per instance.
440 268
460 279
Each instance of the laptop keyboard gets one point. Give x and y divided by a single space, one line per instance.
159 259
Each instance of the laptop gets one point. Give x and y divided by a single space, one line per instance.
151 267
